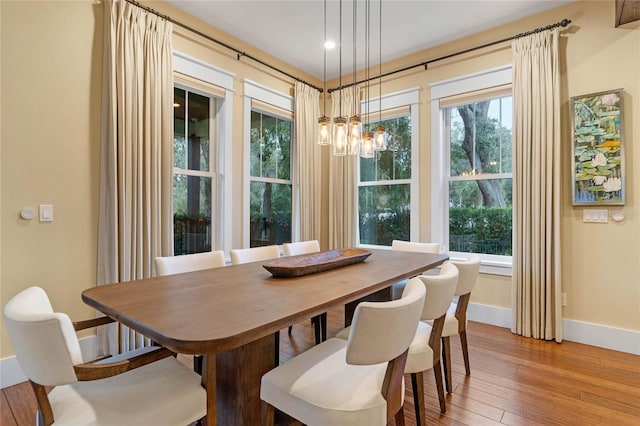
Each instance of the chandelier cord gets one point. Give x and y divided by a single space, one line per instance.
380 67
324 71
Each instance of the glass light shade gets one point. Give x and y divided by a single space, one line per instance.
324 130
380 139
367 149
355 135
340 136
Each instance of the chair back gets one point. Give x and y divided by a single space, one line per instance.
44 341
440 289
469 270
254 254
382 331
416 247
302 247
170 265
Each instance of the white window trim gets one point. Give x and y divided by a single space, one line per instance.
409 97
253 90
490 264
193 67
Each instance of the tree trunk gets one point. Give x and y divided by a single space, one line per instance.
470 114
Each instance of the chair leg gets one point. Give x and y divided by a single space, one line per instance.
400 417
317 329
446 362
277 348
290 329
417 383
197 364
465 351
437 371
270 414
323 325
320 327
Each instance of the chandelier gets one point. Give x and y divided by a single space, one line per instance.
344 133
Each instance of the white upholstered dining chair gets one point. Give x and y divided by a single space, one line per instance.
354 381
147 386
424 351
305 247
413 246
169 265
456 320
301 247
254 254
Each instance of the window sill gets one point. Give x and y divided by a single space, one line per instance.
489 264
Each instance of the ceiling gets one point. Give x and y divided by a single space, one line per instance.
292 30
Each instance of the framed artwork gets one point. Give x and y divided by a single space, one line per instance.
598 147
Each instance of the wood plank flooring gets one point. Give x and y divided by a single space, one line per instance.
513 381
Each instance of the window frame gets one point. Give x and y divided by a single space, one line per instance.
222 82
476 82
214 101
265 95
406 98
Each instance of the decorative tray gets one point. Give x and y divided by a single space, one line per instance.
305 264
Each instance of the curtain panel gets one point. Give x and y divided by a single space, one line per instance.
308 164
343 181
136 156
537 310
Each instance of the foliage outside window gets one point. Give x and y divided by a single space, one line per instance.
192 172
270 179
384 201
480 176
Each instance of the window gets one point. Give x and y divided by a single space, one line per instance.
472 167
480 187
384 192
270 179
387 207
193 171
269 216
204 101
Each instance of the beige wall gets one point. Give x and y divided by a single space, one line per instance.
51 57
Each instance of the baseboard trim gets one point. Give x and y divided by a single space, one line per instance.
616 339
11 373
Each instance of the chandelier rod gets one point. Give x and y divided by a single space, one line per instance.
425 64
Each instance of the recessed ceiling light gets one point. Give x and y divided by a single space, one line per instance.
329 44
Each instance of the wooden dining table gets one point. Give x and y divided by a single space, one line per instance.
231 315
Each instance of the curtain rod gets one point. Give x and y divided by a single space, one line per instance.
238 52
425 64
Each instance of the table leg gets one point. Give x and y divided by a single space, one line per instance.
209 382
238 375
383 295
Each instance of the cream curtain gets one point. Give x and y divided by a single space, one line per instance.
134 225
343 181
536 292
307 167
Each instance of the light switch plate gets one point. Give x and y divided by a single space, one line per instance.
595 215
46 212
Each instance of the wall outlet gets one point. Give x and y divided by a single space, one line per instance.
564 299
595 215
46 212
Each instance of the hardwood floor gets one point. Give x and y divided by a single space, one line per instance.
513 381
